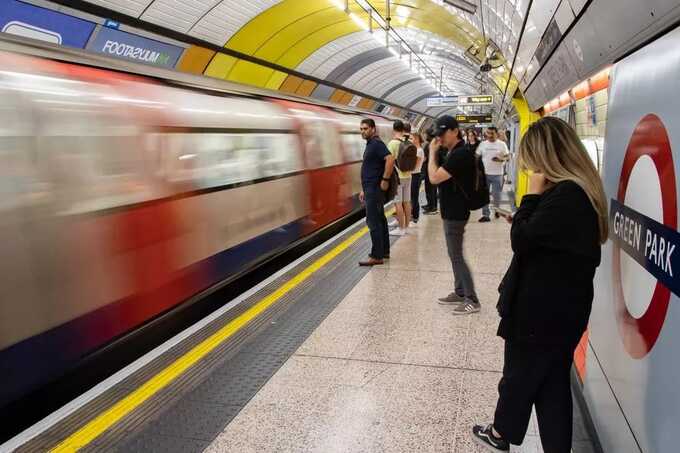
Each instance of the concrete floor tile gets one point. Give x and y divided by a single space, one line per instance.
390 370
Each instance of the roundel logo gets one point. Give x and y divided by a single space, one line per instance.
644 220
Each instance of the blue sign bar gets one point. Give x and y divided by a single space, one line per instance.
120 44
652 244
112 24
28 21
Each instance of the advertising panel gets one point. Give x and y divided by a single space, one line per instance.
28 21
635 324
120 44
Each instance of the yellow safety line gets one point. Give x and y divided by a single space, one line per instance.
115 413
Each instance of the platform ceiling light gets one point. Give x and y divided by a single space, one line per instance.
359 21
403 11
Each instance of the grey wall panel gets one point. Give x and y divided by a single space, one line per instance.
397 86
323 92
608 30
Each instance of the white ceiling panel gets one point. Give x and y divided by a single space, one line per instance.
383 84
130 7
325 59
176 14
227 17
386 68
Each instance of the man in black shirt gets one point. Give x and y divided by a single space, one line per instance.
455 177
376 170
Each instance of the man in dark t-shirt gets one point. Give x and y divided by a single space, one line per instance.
376 170
455 177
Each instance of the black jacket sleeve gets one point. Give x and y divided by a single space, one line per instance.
554 220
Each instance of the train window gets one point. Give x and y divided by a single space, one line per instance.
353 145
213 160
321 144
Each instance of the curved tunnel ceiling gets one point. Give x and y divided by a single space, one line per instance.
321 39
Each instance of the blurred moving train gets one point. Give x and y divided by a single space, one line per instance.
122 196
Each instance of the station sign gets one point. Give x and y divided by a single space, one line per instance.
29 21
354 101
120 44
474 119
443 101
481 99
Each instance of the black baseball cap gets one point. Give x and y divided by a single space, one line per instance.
444 123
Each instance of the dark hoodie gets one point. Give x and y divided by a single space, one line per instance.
547 294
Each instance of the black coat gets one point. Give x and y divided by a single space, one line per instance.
547 294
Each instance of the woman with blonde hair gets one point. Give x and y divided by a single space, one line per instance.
547 293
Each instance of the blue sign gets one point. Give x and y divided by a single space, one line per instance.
120 44
112 24
650 243
28 21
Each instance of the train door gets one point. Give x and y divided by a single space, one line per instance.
329 185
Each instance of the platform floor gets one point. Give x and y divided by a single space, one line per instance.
390 370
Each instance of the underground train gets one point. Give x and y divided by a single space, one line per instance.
124 195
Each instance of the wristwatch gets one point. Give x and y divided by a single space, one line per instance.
386 179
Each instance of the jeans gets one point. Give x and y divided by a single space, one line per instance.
464 285
416 179
536 375
496 183
376 221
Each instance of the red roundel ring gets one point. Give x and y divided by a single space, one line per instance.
649 139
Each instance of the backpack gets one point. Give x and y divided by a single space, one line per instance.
391 192
407 156
478 197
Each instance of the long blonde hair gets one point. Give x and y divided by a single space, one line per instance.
551 147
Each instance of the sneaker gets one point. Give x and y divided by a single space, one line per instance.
413 225
432 212
397 232
393 222
484 219
467 308
484 437
451 299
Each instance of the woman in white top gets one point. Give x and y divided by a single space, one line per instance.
416 178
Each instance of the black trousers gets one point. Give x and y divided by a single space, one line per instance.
376 221
430 192
416 179
536 376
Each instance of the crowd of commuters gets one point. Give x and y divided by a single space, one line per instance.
557 231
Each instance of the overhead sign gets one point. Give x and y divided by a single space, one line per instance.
125 45
354 101
474 119
481 99
28 21
442 101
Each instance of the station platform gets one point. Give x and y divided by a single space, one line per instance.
323 356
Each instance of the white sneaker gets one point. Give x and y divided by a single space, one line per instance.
413 225
397 232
